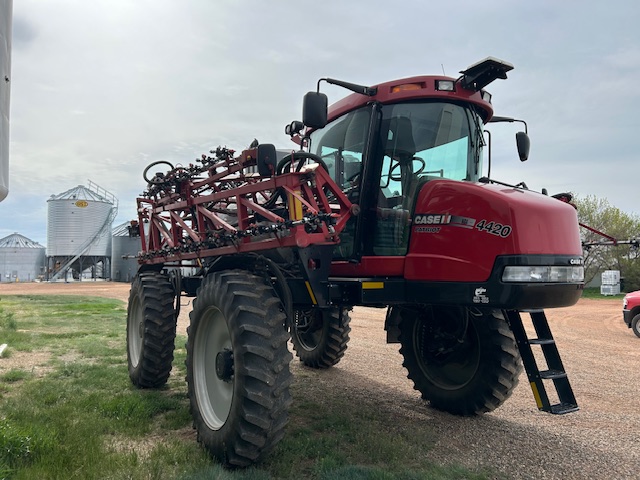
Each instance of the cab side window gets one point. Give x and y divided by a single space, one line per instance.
341 145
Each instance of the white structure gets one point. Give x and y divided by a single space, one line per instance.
79 230
123 244
610 282
21 259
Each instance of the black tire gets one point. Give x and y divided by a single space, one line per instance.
635 325
238 367
462 361
151 329
320 336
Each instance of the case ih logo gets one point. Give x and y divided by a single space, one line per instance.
432 219
443 219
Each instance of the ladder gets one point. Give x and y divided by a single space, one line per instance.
555 370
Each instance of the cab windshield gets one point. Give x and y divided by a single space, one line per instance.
411 143
429 140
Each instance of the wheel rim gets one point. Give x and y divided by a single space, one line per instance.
308 329
448 368
213 381
135 332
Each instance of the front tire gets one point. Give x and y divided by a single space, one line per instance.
151 329
238 367
320 336
635 325
463 361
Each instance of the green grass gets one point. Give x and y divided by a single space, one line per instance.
78 416
595 293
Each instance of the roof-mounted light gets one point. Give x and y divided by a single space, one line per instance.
486 96
445 85
407 87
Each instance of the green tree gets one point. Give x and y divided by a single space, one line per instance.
600 215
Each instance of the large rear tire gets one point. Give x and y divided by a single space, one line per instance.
238 367
463 361
320 336
151 329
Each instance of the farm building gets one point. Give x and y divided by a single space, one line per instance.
21 259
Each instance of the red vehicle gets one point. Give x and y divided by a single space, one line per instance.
384 205
631 311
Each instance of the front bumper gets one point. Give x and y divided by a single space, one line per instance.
492 293
626 316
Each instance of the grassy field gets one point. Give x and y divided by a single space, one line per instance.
595 293
68 410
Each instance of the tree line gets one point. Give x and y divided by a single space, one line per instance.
599 214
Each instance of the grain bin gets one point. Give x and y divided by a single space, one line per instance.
79 231
21 259
123 244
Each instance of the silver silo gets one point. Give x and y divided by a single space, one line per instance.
79 231
124 244
21 259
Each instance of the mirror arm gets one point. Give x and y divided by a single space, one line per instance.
498 119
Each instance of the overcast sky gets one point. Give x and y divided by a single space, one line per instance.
102 88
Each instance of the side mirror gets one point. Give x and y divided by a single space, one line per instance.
523 143
314 110
266 159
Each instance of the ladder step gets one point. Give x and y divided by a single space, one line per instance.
562 408
554 368
552 374
542 341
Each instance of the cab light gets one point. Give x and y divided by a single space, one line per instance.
445 85
406 87
543 274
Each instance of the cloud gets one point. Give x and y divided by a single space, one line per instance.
100 89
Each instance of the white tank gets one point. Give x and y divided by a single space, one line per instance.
75 218
21 259
123 244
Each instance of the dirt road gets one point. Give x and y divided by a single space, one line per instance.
601 355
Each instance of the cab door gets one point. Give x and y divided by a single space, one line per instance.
344 145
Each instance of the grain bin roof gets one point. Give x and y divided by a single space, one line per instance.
80 193
16 240
121 230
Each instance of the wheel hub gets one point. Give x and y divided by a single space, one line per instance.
224 365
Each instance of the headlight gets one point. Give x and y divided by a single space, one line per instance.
624 303
544 274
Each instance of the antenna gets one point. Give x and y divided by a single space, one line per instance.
442 65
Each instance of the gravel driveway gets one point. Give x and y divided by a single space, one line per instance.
600 354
